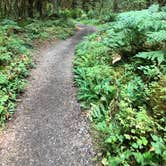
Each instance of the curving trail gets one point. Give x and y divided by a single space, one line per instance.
48 128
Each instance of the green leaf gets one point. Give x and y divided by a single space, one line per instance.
144 140
127 136
3 79
105 162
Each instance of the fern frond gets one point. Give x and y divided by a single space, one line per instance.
157 38
159 56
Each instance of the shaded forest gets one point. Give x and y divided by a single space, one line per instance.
37 8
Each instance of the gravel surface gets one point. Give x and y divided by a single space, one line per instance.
49 128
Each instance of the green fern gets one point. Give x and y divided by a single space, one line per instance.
157 39
126 99
159 56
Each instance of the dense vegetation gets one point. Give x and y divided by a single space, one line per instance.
22 9
15 57
121 76
120 70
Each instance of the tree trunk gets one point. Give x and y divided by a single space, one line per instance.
162 2
30 8
115 6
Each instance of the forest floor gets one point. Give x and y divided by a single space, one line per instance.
48 127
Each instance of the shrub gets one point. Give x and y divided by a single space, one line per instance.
15 57
120 72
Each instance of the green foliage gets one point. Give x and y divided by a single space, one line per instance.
105 10
71 13
125 5
107 17
15 59
120 72
40 29
26 8
158 56
14 63
103 16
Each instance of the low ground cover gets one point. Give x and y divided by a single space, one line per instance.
121 76
16 43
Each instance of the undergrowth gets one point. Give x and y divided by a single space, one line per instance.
16 41
121 75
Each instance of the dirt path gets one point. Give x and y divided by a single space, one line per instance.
49 129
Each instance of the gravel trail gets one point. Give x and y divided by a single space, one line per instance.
49 128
